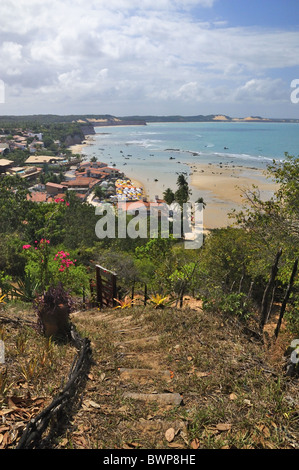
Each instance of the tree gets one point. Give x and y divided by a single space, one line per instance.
183 192
201 201
99 192
168 196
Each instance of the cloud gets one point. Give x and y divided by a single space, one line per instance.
109 52
263 90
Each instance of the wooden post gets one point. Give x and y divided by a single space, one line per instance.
83 296
269 287
133 290
286 298
106 287
145 294
99 288
182 293
114 290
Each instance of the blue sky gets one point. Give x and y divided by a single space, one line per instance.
263 13
124 57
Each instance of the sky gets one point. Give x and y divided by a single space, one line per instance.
150 57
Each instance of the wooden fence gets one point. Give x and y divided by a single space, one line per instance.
106 287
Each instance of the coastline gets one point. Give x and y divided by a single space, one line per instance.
220 185
78 148
221 189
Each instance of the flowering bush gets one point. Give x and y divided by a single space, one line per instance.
65 261
50 267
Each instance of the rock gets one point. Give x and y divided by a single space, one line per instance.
144 374
161 398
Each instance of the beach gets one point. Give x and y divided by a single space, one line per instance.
152 162
78 148
221 189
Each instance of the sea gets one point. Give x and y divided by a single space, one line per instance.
156 153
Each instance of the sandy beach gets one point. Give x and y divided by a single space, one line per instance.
221 188
78 148
220 185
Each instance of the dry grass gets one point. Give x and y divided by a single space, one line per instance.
234 389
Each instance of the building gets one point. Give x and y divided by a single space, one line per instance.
4 149
81 184
54 189
38 196
37 135
43 160
5 165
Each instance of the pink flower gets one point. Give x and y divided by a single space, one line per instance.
26 247
67 203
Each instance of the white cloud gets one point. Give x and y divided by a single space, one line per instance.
262 90
108 51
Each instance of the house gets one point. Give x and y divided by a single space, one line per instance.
37 196
81 184
54 189
151 208
31 173
21 145
43 160
4 149
35 145
5 165
37 135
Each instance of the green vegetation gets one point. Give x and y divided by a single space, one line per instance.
48 257
230 271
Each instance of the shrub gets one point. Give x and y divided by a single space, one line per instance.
53 309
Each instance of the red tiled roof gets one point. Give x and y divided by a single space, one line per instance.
82 181
37 196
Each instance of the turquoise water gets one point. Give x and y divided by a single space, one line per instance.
162 150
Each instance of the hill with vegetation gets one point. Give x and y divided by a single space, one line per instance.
220 321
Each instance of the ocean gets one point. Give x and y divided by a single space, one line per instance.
160 151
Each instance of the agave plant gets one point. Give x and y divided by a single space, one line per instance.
160 302
27 288
126 303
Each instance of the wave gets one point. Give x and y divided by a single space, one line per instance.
226 155
143 143
243 156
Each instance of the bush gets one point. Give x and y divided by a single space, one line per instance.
233 303
53 310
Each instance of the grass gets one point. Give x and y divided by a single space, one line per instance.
234 388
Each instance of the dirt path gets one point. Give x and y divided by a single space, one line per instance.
131 389
179 379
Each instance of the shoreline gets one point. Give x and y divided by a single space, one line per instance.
220 186
78 148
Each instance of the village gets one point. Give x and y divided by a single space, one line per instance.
91 181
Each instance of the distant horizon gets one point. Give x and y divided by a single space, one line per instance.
142 116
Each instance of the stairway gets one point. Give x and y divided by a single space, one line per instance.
144 406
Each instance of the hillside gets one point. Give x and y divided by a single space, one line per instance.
204 381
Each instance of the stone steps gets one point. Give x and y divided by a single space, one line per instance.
148 374
161 398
